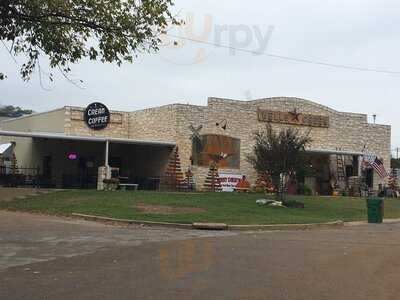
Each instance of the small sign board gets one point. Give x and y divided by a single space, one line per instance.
97 116
72 156
229 181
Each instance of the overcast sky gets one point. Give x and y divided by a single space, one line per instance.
361 33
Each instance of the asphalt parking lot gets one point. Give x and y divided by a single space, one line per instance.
56 258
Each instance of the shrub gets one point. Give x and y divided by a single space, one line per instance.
293 204
304 189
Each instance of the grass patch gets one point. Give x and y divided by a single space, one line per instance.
230 208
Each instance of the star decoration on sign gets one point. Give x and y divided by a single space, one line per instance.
295 115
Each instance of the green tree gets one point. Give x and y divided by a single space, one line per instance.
279 153
13 111
395 163
66 31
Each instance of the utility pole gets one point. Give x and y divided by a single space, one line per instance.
396 150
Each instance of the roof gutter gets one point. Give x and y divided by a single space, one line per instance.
334 152
61 136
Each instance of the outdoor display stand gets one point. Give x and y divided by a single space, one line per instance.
212 183
191 186
14 165
394 183
173 178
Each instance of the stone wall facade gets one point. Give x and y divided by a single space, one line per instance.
158 123
74 124
349 132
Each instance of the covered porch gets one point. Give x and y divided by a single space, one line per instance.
63 161
331 171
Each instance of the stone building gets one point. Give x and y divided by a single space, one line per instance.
139 142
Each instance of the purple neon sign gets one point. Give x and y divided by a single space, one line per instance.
72 156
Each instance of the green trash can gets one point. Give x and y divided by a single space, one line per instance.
375 208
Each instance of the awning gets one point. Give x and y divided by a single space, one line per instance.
63 136
6 149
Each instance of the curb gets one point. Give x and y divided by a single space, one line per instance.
210 226
113 221
336 224
385 221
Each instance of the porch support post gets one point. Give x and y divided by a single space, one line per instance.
106 156
360 161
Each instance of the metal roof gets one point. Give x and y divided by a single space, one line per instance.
63 136
5 147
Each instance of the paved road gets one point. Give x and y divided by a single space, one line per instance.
52 258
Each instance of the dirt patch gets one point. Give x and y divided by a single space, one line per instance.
9 194
167 210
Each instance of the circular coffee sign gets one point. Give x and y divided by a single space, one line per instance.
97 116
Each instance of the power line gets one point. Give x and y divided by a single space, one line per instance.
288 58
9 51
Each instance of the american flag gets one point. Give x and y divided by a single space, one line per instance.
370 159
367 159
379 168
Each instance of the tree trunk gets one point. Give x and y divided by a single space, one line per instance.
282 186
276 180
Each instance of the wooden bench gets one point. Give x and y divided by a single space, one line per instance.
123 186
